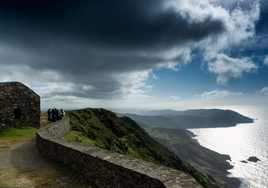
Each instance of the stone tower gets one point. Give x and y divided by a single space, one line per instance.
19 106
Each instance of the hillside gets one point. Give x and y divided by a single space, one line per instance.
156 121
153 121
203 122
203 159
203 118
104 129
185 147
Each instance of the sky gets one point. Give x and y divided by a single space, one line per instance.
155 54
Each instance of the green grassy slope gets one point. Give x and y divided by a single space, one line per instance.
104 129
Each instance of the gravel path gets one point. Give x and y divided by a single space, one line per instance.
24 155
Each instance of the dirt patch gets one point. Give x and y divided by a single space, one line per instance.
44 119
43 177
22 166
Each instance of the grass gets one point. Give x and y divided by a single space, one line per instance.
104 129
23 132
77 136
18 134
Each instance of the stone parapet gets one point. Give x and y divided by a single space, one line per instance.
105 168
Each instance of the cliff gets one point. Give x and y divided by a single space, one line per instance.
181 143
104 129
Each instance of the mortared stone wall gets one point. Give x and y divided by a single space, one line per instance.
105 168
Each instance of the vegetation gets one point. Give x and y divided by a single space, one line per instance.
18 134
104 129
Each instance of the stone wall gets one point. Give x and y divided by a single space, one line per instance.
106 168
19 106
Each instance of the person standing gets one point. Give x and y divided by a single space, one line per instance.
54 115
57 115
48 114
62 113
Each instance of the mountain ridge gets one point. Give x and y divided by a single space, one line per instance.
203 118
156 121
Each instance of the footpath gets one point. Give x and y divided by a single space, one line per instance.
22 166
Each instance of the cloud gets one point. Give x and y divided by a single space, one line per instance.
173 97
239 26
87 88
134 84
95 48
266 61
227 67
215 94
154 76
263 91
108 49
239 23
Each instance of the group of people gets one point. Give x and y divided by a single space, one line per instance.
54 114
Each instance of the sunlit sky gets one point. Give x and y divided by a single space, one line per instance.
156 54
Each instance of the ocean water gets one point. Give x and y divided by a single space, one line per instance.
241 142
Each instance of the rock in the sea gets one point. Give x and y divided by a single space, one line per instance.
243 161
253 159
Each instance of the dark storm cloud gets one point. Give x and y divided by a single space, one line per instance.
122 23
88 42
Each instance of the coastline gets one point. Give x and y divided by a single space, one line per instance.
233 182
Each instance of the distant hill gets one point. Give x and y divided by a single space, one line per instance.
202 118
204 122
156 121
165 112
104 129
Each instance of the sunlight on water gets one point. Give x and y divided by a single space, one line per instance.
241 142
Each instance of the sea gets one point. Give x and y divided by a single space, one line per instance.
241 142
